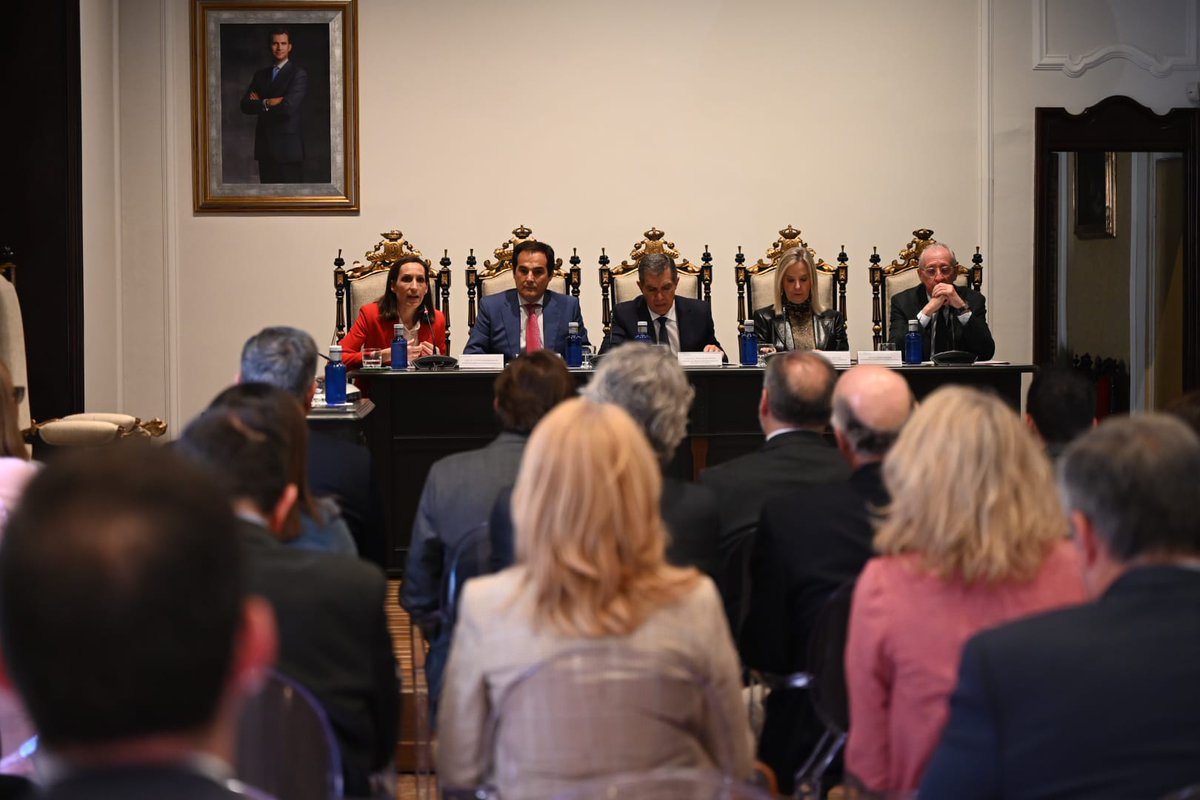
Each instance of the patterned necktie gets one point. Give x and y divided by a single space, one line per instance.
533 335
664 338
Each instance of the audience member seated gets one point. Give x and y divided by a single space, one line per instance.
333 630
683 324
1059 407
126 626
461 489
797 320
406 300
951 317
1187 409
317 525
590 569
529 317
811 541
16 469
338 469
649 384
793 413
1100 700
973 537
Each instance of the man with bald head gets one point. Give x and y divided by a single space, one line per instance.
809 542
951 317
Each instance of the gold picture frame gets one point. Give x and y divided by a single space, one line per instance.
1093 195
245 145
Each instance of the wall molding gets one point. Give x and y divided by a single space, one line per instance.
1046 56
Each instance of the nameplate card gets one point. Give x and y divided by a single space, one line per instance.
839 358
482 361
701 359
886 358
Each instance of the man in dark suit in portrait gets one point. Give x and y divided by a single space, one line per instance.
793 412
809 542
127 628
529 317
1100 700
275 96
333 633
951 317
684 324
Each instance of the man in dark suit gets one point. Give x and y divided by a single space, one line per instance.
951 317
338 468
1100 700
275 96
127 628
1060 406
684 324
529 317
793 412
809 542
333 632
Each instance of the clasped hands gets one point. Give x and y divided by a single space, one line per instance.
271 101
943 294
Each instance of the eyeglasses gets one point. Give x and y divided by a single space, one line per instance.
935 271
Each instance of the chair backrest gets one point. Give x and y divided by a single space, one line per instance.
827 659
901 275
285 744
666 784
756 283
496 277
619 284
605 710
12 335
469 558
365 283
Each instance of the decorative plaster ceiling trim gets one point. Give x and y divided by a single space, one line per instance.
1076 64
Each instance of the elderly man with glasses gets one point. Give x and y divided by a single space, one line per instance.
951 317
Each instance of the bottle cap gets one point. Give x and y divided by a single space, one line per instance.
643 327
914 325
398 327
573 327
748 325
335 349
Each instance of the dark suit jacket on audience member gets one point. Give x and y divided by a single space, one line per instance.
334 640
497 328
1097 701
692 317
340 469
974 337
135 782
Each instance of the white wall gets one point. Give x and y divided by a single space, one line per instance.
718 122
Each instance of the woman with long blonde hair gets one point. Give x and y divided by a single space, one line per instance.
590 569
973 537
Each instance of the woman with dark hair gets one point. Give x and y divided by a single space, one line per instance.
407 300
15 467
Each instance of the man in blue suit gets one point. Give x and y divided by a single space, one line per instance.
274 96
529 317
684 324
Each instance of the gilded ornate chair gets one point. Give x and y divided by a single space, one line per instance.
364 283
901 274
496 277
619 284
756 283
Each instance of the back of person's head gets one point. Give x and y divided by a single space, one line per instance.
972 491
588 527
799 388
1062 404
530 386
1135 479
646 381
870 406
121 587
11 443
1187 409
281 356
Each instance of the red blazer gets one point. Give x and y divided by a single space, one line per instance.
371 331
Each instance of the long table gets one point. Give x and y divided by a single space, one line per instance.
421 417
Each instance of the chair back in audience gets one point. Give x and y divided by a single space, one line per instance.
901 275
496 276
605 710
469 558
666 784
286 746
619 284
756 283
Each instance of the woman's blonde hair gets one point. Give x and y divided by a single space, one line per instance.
972 491
11 442
588 527
786 261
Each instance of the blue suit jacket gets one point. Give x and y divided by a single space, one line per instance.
694 318
498 325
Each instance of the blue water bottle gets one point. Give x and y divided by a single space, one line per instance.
912 343
399 347
574 346
748 344
335 378
643 334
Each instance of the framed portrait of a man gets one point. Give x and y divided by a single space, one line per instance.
275 106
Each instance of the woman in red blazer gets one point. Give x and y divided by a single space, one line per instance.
406 299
